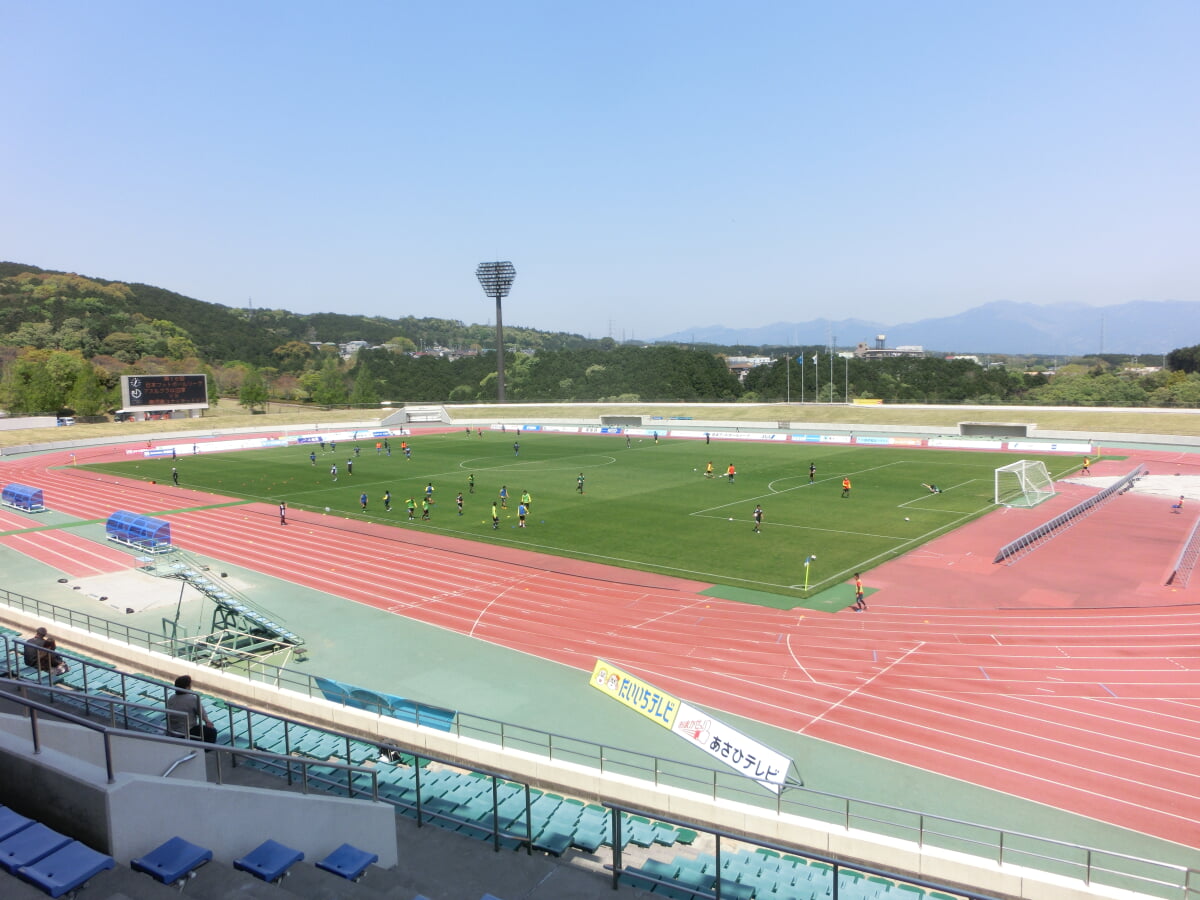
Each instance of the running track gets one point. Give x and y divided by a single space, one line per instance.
1071 678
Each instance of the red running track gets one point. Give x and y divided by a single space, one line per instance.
1071 678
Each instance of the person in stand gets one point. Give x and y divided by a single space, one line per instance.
758 514
186 717
40 653
458 501
495 516
846 486
387 501
731 473
812 473
859 603
579 483
282 512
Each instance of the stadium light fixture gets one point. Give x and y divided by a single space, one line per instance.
496 279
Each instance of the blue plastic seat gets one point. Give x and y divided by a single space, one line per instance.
11 822
269 861
28 845
66 869
172 861
348 862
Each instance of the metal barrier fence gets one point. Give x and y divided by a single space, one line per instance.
1035 537
1185 563
119 710
997 845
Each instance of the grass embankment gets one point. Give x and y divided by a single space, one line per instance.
229 415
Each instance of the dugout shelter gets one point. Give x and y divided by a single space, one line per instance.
23 497
140 532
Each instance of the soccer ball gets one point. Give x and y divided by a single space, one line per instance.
906 518
731 518
695 470
327 509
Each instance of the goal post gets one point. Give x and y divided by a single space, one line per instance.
1024 483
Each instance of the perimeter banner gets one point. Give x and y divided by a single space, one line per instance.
727 745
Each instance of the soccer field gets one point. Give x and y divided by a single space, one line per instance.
647 506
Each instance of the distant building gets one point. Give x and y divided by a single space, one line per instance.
740 365
882 351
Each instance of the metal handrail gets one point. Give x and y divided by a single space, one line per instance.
923 829
18 694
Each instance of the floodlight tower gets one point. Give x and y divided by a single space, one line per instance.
497 279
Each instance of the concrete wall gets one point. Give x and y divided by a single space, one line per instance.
66 787
569 778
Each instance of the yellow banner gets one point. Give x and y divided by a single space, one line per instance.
658 707
862 401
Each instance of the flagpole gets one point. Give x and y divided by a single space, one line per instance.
816 379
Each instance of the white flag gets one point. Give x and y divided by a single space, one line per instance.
814 359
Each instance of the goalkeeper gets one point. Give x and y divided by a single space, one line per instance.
932 488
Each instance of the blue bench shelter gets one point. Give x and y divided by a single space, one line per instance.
138 531
22 497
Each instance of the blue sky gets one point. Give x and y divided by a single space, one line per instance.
647 166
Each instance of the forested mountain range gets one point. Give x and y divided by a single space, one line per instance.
65 340
58 310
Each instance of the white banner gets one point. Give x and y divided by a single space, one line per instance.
743 754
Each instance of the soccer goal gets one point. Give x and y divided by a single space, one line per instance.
1024 483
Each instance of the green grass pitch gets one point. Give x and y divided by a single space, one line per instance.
645 507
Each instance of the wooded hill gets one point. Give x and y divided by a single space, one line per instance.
44 309
65 340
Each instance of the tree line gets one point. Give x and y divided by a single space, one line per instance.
65 340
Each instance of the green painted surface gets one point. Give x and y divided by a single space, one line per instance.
382 651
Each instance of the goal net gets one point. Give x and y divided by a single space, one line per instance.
1024 483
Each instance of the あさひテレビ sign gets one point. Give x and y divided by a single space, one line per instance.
722 742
